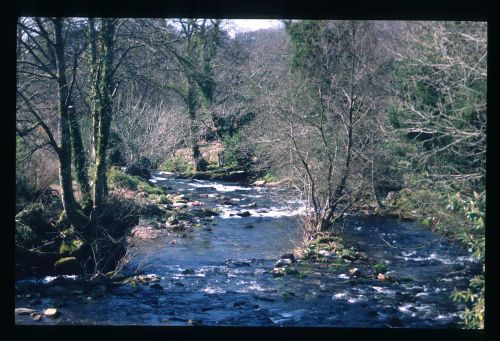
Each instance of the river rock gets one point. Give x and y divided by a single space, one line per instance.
324 253
205 189
391 196
244 214
156 286
251 205
172 220
151 210
289 256
355 272
36 316
229 203
283 262
24 311
290 270
259 183
277 272
144 232
188 272
51 312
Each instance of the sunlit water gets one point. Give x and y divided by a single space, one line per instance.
222 276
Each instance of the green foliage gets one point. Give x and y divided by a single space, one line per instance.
25 236
269 177
119 179
163 199
473 297
150 189
474 209
70 246
380 268
233 154
178 165
345 252
303 35
337 264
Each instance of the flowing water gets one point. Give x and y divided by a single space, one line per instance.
220 274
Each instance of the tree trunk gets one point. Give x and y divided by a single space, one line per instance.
94 84
193 129
80 162
103 111
64 151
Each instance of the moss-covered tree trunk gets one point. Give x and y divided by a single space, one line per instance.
80 162
64 150
103 109
94 80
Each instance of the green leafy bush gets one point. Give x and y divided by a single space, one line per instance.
25 236
474 209
119 179
269 177
380 268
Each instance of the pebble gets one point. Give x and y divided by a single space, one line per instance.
51 312
36 316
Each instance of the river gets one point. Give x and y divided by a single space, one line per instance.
220 273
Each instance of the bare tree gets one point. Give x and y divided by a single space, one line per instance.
323 118
42 57
148 127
